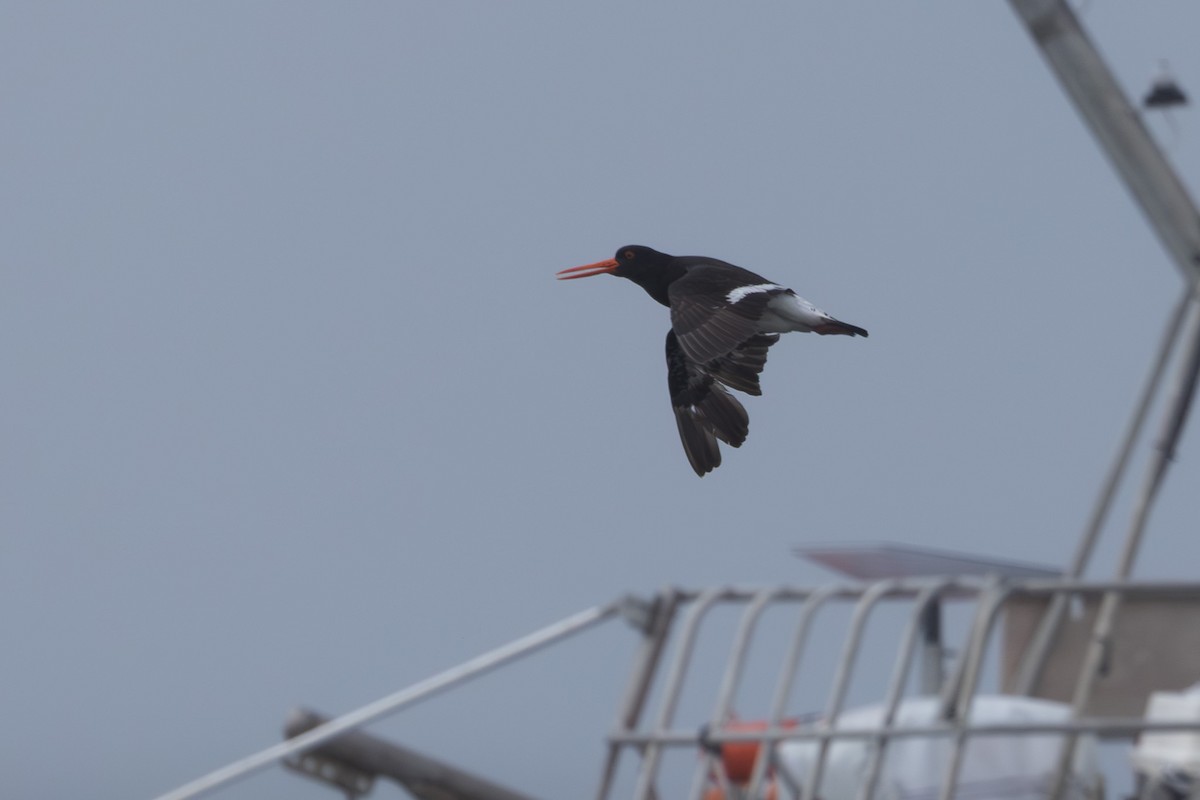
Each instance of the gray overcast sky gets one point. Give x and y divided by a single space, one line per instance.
296 412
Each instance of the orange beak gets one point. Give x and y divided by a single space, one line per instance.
588 270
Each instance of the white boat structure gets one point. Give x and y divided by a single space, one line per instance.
1079 664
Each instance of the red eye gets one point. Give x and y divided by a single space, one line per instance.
627 254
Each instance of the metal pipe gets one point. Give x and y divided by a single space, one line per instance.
416 772
1033 662
741 644
842 678
895 691
731 678
393 702
1105 727
973 663
644 788
647 661
1154 185
933 671
949 696
787 674
1174 419
1117 127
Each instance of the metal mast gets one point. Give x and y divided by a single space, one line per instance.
1117 126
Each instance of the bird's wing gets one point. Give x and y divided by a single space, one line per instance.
713 311
704 410
741 367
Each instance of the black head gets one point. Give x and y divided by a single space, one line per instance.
635 261
631 261
645 266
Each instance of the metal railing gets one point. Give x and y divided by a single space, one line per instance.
683 616
672 623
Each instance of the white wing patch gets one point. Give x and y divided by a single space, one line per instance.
791 312
740 292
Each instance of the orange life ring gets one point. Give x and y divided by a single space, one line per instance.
738 757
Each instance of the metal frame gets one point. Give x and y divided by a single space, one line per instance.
405 697
668 652
989 597
1172 214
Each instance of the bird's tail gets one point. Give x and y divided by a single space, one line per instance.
839 328
716 415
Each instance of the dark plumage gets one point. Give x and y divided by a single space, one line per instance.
723 320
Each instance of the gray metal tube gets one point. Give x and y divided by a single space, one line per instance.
648 658
845 669
1117 127
990 606
1174 418
1029 674
928 598
644 790
787 675
733 675
405 697
421 775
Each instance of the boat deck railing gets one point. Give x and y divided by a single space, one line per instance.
1002 614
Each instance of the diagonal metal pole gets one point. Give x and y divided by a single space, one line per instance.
1101 644
1117 127
405 697
1161 196
655 632
1173 423
420 775
1029 674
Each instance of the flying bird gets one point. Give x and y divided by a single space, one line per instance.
723 320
